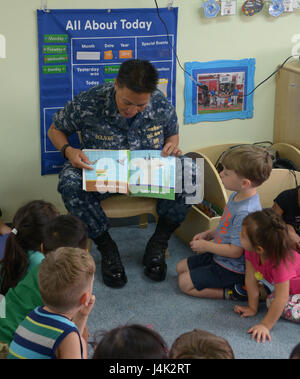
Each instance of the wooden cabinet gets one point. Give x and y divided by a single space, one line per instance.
287 105
197 221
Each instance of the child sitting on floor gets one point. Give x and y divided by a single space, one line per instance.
270 259
219 265
22 249
287 205
66 278
64 230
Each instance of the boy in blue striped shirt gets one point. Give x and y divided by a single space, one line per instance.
55 330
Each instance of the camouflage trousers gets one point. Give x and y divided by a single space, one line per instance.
86 205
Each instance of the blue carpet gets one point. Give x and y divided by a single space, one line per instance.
171 312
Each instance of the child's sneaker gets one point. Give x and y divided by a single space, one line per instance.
236 293
239 292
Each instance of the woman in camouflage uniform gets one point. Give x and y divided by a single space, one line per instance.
120 115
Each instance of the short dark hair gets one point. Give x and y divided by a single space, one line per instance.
295 354
139 76
131 342
65 231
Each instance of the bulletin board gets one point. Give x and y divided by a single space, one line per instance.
80 49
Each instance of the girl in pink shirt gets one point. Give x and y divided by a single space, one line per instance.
270 260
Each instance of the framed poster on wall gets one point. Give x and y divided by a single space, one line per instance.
83 48
219 90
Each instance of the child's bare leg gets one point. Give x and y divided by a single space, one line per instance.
186 285
208 293
291 309
182 267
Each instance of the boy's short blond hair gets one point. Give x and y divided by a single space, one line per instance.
200 344
250 162
64 275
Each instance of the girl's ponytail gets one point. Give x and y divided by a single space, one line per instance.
267 229
14 263
27 234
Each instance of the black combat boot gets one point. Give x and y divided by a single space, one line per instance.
112 269
154 258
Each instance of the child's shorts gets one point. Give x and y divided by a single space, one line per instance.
206 273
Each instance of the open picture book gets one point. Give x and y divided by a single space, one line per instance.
135 173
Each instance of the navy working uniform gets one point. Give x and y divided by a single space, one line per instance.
95 115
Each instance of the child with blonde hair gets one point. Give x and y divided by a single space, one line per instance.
219 265
200 344
66 283
271 261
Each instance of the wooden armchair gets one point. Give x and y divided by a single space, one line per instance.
121 206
